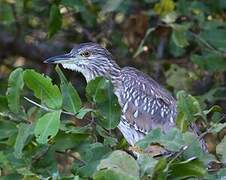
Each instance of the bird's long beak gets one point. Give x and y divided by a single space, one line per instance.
59 59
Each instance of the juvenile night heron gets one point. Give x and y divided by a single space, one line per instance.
145 104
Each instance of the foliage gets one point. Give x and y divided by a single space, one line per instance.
48 130
38 139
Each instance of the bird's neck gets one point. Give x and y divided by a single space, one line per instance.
111 72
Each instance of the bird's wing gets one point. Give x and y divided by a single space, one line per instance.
145 104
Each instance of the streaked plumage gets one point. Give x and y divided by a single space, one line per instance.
145 104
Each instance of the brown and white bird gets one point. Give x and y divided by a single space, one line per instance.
145 104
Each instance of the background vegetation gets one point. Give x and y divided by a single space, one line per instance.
54 129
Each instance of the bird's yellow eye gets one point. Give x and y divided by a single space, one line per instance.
85 54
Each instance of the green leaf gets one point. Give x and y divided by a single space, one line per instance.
188 108
119 165
69 140
216 37
160 172
55 20
110 5
69 127
7 129
25 130
43 89
15 86
172 140
188 168
47 126
6 14
108 140
181 122
147 164
208 61
91 154
3 104
101 92
185 81
179 35
221 149
77 6
71 100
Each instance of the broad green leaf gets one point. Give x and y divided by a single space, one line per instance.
28 174
172 140
175 50
47 126
179 35
15 86
24 131
185 81
69 140
216 37
195 150
160 170
182 122
153 136
3 104
221 149
188 108
110 5
6 14
91 154
69 127
108 139
100 91
120 165
211 62
71 100
77 6
189 168
55 20
43 89
147 165
7 129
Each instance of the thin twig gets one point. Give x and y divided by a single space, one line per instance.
209 46
140 48
46 108
14 119
8 116
71 155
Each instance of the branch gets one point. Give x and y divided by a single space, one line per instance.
36 51
12 118
71 155
46 108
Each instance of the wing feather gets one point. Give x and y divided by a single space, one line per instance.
146 105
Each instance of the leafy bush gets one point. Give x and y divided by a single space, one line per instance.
47 130
40 140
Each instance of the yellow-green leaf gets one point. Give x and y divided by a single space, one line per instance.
164 7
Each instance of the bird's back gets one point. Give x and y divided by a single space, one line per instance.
145 104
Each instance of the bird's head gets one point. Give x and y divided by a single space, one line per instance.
88 58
